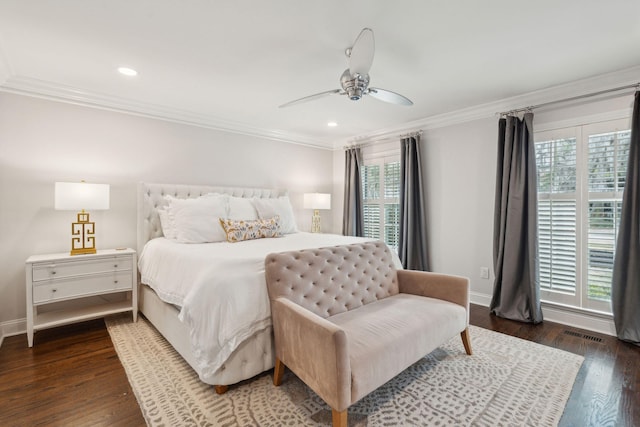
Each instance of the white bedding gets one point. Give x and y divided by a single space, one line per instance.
220 287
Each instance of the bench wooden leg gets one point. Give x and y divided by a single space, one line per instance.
278 372
221 389
339 418
466 341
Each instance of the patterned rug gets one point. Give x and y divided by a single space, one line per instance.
507 382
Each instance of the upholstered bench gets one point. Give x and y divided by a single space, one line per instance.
346 321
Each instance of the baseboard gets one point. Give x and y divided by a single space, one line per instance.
590 321
480 299
11 328
570 316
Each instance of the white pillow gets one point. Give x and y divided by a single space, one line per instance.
167 223
242 208
198 220
268 208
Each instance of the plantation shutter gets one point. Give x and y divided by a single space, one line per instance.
392 204
371 192
581 179
556 166
607 169
381 189
372 221
557 244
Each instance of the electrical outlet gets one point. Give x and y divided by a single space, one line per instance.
484 272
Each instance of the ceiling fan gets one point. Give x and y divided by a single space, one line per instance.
355 79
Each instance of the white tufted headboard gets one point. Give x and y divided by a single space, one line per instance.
151 198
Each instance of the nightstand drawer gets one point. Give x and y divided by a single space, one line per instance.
58 270
81 286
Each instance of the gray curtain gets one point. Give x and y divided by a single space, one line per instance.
516 291
353 214
625 285
412 243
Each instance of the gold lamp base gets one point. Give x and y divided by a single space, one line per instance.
83 251
315 221
84 230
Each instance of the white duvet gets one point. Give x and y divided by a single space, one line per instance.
220 287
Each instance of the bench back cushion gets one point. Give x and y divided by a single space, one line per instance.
332 280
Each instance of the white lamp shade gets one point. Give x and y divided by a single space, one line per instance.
317 201
74 196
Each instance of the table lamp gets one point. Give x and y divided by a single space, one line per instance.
78 196
316 201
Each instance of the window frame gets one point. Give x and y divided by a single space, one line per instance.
581 133
380 159
552 295
587 196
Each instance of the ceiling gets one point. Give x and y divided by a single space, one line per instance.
230 64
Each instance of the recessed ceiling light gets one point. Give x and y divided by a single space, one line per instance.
332 124
127 71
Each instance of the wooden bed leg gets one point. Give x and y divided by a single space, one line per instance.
339 418
221 389
278 372
466 341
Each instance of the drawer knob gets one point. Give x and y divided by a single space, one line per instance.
53 272
115 266
54 290
115 281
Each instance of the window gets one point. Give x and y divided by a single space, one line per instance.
581 176
381 192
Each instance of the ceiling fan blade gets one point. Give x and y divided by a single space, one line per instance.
362 51
389 96
309 98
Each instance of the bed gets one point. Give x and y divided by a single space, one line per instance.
218 319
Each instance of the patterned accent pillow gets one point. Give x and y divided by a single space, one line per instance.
238 230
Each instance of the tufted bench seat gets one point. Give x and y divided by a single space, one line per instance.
346 321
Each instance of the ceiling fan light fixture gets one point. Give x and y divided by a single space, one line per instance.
355 79
355 86
355 94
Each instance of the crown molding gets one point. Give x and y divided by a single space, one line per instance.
71 95
627 76
68 94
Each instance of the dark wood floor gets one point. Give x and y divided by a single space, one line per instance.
72 376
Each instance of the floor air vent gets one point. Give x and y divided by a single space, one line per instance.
584 336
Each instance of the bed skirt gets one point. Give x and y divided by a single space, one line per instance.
252 357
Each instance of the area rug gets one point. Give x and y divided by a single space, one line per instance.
507 382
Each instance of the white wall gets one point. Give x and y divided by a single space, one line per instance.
44 141
459 166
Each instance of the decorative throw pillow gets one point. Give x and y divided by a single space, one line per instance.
281 206
239 230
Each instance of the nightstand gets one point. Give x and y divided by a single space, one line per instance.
64 289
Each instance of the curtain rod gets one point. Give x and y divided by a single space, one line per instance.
381 140
574 98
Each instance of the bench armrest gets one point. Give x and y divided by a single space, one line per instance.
446 287
314 349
